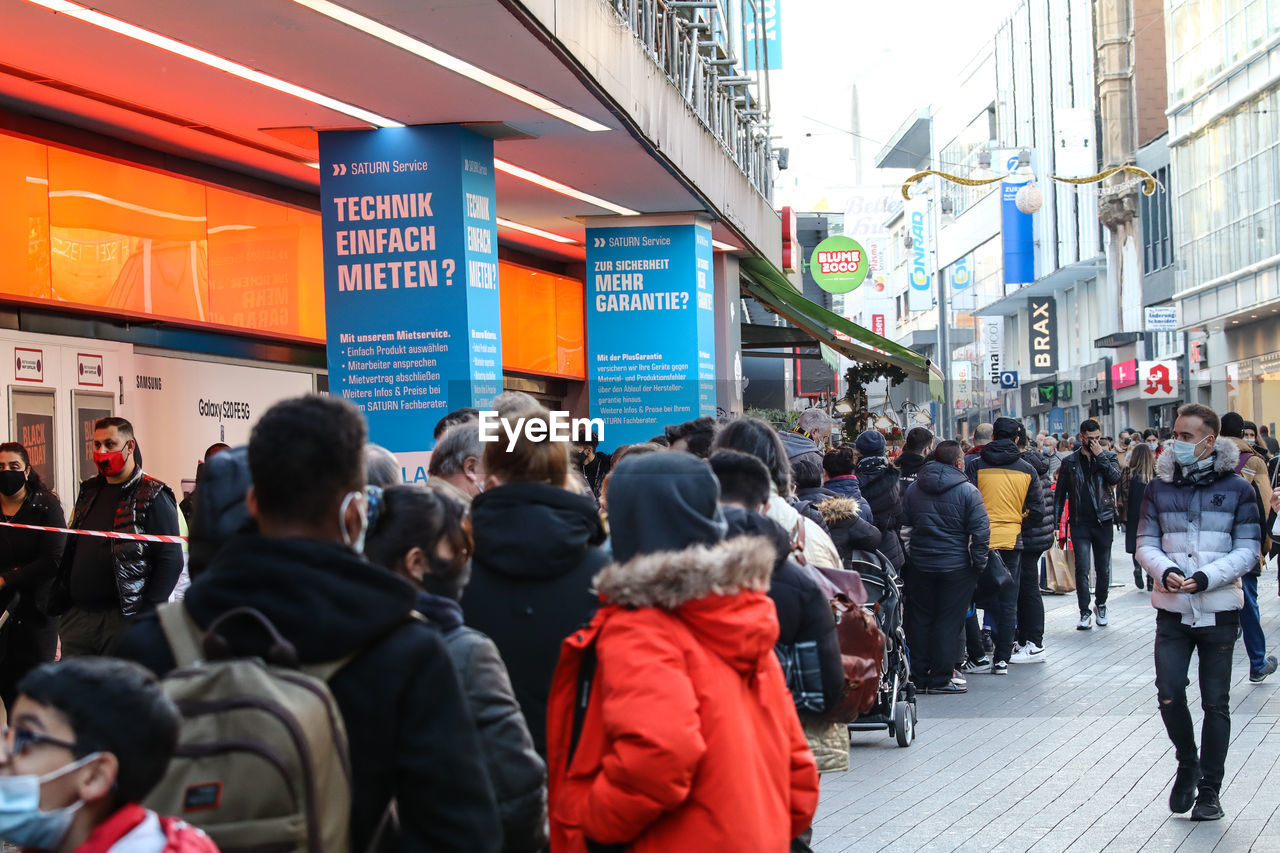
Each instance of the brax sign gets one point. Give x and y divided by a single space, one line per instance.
1043 313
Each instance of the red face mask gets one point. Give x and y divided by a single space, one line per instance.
111 463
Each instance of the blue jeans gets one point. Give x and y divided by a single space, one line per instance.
1255 642
1092 545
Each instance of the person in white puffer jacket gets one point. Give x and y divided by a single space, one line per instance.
1198 533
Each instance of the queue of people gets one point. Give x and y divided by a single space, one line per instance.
550 647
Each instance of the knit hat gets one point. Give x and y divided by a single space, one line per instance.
663 502
1232 425
1007 428
870 443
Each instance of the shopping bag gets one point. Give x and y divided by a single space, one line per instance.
1062 569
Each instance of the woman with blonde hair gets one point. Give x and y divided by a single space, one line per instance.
1140 471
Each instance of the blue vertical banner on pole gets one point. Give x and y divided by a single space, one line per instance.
650 328
767 22
410 276
1018 239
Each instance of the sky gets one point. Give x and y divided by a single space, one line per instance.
898 53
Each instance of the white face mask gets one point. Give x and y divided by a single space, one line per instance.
21 820
358 544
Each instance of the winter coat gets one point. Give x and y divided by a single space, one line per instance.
410 733
849 531
145 572
516 771
1129 507
818 549
133 829
1094 489
804 614
1038 537
1010 489
536 551
30 560
1205 526
879 483
1255 471
847 486
948 521
909 466
689 740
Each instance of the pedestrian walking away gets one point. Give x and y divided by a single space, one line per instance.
1037 538
1011 492
1198 534
1140 471
1085 487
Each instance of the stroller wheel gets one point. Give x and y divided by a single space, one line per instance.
903 724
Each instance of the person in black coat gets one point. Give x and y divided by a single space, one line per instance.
29 563
947 546
840 516
422 535
879 482
1037 537
537 549
411 737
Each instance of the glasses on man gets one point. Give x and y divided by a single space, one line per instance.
19 739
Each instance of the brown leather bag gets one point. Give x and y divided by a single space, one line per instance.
862 651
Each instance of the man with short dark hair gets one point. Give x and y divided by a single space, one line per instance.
411 737
1086 487
103 582
457 416
105 731
693 436
594 466
1199 532
914 450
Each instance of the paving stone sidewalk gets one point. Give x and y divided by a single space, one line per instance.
1068 755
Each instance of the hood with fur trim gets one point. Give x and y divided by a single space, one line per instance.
1224 464
718 592
836 510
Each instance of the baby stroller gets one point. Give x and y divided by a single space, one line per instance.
895 707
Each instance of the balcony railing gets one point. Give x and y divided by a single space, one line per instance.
699 45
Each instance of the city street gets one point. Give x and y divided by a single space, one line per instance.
1066 755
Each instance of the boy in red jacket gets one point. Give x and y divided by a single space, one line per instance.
87 740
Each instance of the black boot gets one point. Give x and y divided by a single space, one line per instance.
1183 794
1137 577
1207 806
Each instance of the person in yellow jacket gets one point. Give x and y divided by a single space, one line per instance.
1010 490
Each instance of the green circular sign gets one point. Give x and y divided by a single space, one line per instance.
839 264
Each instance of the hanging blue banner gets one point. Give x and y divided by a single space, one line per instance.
1018 239
766 21
650 328
409 225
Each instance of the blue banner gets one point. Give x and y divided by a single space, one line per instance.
769 21
650 328
1018 239
410 276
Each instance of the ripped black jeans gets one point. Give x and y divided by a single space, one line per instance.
1213 646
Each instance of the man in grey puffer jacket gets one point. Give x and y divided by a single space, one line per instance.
1199 532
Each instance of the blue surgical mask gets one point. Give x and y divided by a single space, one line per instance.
1184 452
21 821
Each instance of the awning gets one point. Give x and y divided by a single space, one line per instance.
766 284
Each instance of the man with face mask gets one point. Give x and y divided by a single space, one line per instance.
103 582
457 462
594 466
87 741
1199 532
410 735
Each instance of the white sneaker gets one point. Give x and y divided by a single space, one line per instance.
1030 653
1085 623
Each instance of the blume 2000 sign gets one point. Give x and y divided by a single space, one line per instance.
555 426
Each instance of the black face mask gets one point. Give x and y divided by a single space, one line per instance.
12 482
579 458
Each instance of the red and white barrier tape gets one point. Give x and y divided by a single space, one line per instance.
104 534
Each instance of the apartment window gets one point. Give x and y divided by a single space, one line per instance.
1157 225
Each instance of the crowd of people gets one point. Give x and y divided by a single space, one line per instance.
545 646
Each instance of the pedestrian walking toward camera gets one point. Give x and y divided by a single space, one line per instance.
1198 534
1086 484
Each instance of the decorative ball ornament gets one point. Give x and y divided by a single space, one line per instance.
1029 199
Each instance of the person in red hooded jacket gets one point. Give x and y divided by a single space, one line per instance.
689 739
86 741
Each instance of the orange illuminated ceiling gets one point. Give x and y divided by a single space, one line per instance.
57 67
